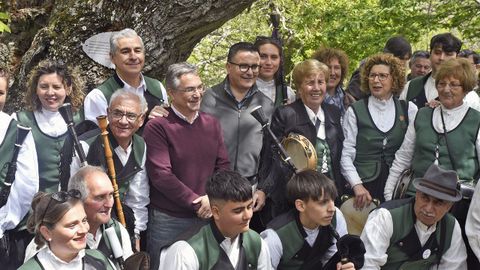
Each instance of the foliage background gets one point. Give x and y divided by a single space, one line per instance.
359 27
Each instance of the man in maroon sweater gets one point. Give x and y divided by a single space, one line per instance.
183 150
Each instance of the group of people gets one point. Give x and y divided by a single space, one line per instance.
199 183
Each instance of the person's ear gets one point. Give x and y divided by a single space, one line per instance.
300 205
46 233
215 211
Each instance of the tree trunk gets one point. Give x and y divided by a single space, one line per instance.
56 29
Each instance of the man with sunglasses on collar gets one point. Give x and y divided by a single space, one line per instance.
231 102
418 232
127 53
125 116
97 195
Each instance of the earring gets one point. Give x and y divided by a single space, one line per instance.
49 239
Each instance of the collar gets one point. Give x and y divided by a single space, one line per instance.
183 117
250 92
57 260
125 85
379 104
313 117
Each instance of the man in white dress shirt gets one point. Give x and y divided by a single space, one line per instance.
418 233
225 242
127 53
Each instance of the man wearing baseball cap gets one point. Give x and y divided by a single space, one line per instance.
418 232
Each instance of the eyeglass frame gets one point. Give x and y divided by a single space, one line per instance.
379 75
450 86
200 89
126 114
249 67
73 193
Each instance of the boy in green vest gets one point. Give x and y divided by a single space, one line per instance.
304 237
417 233
225 242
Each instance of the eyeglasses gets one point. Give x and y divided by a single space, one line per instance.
443 85
200 89
61 197
118 115
245 67
381 76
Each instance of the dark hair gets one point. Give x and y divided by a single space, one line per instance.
41 215
447 41
262 40
325 55
466 53
228 186
240 46
70 78
397 71
460 69
419 54
398 46
310 184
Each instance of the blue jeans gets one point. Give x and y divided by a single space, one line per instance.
162 230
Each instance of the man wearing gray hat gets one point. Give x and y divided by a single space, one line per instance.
417 233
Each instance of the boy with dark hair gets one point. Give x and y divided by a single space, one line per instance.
304 237
225 242
422 90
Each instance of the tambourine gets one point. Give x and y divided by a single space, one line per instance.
301 151
406 177
356 218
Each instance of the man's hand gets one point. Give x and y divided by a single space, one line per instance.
258 200
362 197
347 266
158 111
204 211
433 103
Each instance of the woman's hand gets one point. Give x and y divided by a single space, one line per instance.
362 197
433 103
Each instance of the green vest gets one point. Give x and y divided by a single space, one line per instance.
403 223
461 140
109 86
92 258
416 87
132 167
49 151
207 248
374 146
6 150
287 228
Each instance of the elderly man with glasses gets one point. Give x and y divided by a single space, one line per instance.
184 149
231 102
125 116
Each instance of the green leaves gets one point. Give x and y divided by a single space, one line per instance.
4 20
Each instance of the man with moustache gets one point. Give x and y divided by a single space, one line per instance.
125 117
127 53
183 150
231 102
97 196
417 233
422 90
225 242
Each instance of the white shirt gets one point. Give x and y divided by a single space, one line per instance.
471 98
403 157
92 243
138 192
378 231
183 117
96 104
50 261
26 180
50 123
268 88
275 245
383 116
181 256
313 118
472 225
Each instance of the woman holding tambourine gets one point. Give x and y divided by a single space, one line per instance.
374 128
447 135
310 117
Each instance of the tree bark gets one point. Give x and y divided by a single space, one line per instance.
170 29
